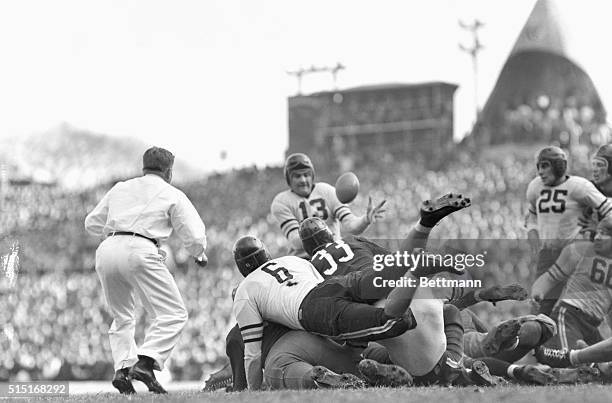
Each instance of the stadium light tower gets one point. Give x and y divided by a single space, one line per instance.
473 51
301 72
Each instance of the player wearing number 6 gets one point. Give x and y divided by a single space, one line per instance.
289 291
307 198
556 202
586 299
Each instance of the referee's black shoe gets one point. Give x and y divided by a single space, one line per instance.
122 382
143 371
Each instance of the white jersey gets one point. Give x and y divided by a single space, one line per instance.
554 210
273 292
290 209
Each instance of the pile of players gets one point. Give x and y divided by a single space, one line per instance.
318 319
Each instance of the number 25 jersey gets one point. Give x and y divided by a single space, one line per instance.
274 292
557 208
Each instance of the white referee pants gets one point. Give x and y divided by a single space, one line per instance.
129 265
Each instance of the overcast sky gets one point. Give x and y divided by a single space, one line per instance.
203 76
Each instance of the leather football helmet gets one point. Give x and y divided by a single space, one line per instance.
556 157
297 161
605 152
314 234
249 253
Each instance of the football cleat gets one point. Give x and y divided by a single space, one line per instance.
503 334
377 374
432 211
218 380
583 374
535 375
328 379
553 357
480 374
497 293
475 373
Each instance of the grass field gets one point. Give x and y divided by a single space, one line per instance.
507 394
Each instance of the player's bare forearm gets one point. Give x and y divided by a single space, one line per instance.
356 225
542 286
534 240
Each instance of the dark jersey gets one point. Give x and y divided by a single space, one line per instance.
351 261
348 255
235 350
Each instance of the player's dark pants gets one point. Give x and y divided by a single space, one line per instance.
572 325
290 361
546 258
330 310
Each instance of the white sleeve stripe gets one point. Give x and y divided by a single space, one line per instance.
251 333
605 209
290 228
556 273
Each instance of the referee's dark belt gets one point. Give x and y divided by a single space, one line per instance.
134 234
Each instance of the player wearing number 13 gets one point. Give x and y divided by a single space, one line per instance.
307 198
556 202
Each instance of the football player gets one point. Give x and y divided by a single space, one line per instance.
556 203
432 351
289 291
307 198
586 269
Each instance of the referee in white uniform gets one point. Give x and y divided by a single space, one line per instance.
134 216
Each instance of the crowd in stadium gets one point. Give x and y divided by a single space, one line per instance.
57 323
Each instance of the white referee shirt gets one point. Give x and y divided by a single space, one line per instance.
149 206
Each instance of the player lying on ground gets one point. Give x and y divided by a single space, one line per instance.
586 298
289 291
278 289
422 351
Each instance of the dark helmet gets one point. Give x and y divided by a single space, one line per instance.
556 157
315 234
297 161
249 253
605 225
605 152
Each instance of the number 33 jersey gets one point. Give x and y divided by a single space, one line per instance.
274 292
588 276
556 209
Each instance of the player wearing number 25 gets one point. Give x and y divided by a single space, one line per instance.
307 198
556 202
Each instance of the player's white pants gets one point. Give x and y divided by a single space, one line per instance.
126 266
419 350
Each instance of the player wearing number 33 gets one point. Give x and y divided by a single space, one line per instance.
290 291
556 202
307 198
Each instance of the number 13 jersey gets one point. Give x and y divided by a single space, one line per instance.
557 208
290 209
274 292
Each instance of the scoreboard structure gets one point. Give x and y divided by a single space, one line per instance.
393 118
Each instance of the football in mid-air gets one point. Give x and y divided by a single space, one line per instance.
347 187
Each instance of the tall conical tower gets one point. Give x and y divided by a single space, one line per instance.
540 64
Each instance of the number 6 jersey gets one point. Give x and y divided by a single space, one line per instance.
554 210
274 292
